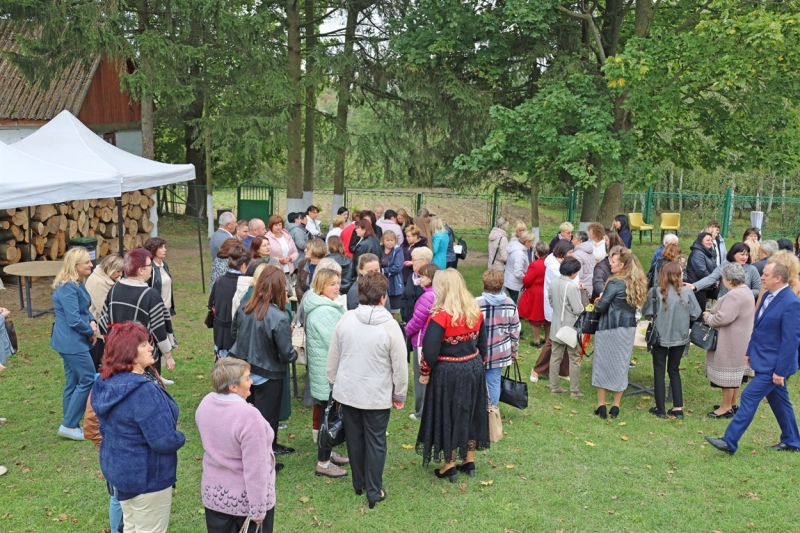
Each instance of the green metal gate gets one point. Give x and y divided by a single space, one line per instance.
254 200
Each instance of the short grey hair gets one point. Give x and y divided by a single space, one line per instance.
228 371
670 238
566 226
226 218
330 262
734 273
581 236
255 223
501 223
769 247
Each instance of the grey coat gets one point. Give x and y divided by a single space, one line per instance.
217 238
584 253
572 309
751 278
674 322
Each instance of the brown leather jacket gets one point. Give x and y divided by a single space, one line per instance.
91 425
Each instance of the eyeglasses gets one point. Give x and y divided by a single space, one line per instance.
148 265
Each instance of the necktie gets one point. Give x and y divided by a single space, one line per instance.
766 303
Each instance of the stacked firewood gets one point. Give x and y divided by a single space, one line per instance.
52 226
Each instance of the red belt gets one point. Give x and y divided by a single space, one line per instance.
457 359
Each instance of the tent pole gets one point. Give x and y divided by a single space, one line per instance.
120 227
200 245
30 237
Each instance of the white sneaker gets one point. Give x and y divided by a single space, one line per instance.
3 470
534 379
166 381
3 421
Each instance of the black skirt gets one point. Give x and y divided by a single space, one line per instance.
454 417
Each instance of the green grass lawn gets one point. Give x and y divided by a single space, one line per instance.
558 468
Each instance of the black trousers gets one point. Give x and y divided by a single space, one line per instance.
217 522
267 399
669 359
366 446
702 298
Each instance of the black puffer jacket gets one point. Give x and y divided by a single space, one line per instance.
266 344
615 311
700 264
347 271
602 271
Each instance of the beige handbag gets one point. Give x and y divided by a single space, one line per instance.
246 527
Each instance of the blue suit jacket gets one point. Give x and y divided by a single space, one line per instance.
776 336
71 331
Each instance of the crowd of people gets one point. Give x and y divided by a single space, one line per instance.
380 292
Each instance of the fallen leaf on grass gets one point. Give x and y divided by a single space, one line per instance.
408 446
649 467
623 423
557 407
590 443
200 376
614 497
624 437
304 499
509 466
611 511
645 397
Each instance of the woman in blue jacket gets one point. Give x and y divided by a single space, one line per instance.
392 262
138 421
439 243
74 333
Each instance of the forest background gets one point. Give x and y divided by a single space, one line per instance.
534 98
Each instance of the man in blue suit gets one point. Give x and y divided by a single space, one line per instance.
772 354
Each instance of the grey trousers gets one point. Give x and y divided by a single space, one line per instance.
366 446
419 388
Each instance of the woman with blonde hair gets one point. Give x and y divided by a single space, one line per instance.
98 284
337 226
403 220
321 313
74 334
455 423
624 292
439 242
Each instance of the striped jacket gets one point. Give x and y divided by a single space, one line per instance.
502 332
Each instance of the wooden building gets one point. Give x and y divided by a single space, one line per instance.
89 89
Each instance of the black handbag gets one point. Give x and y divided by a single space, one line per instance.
703 336
651 336
331 430
463 244
209 321
513 389
587 322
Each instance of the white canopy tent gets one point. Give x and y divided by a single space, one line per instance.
67 142
26 180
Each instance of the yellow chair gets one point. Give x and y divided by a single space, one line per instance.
670 222
636 222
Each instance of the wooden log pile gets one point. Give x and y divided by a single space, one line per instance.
54 225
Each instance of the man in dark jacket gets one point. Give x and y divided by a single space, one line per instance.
296 227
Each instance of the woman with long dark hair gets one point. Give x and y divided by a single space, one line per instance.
623 229
264 339
364 241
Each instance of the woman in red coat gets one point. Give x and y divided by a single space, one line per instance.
531 303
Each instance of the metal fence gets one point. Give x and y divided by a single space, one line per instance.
476 213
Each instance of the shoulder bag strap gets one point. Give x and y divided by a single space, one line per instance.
563 306
497 250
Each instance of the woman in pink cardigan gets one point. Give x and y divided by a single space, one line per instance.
238 479
281 244
415 330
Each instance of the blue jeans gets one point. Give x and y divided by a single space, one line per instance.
493 382
114 514
79 373
761 387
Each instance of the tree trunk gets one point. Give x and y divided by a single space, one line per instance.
612 197
345 80
311 105
294 167
534 202
591 200
148 145
195 154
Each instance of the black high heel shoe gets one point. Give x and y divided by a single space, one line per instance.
614 413
383 497
450 473
601 412
467 468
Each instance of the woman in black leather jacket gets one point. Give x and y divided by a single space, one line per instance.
701 264
264 339
624 292
364 242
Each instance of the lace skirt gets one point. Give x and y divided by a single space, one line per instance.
454 418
